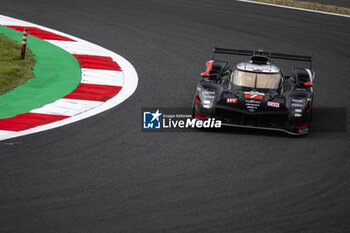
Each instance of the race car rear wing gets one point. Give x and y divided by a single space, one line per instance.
270 55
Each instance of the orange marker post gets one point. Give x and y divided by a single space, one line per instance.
24 43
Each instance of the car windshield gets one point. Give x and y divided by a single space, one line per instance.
256 80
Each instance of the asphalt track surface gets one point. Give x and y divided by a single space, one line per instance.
103 174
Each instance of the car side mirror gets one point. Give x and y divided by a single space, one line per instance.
308 84
205 74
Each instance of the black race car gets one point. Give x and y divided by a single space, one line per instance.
256 93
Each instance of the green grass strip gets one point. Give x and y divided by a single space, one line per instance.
56 74
14 71
309 5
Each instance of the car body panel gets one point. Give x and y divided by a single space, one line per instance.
286 108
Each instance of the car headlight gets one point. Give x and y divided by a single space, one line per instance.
297 103
297 107
207 98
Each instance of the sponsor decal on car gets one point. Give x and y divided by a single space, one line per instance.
251 68
231 100
253 96
273 104
252 104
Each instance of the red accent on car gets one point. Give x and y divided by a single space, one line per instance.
197 99
308 109
302 126
231 100
205 74
253 96
209 66
308 84
199 116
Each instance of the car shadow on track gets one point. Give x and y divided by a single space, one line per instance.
324 120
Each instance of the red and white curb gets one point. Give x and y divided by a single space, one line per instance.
107 80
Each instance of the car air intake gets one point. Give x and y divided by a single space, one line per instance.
262 60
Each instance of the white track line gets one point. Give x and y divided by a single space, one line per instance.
80 109
294 8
